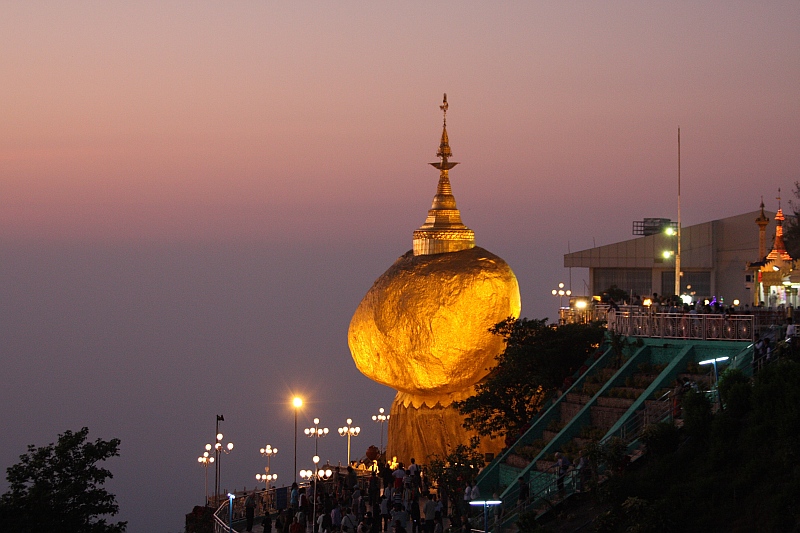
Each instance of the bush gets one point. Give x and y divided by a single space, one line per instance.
735 391
661 438
696 414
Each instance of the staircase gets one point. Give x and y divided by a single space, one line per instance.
618 396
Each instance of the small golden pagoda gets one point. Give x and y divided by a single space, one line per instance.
774 271
443 230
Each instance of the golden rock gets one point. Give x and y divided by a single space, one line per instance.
423 326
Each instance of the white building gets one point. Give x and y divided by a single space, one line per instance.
714 259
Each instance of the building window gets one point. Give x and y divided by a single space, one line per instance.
631 280
698 284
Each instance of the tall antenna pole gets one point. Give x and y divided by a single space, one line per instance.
678 250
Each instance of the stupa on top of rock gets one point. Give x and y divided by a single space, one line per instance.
423 327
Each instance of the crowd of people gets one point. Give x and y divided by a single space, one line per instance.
389 500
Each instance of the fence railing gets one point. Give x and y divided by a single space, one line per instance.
683 326
266 502
661 411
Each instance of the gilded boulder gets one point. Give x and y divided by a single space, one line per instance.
423 326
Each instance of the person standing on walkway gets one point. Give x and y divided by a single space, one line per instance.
250 509
524 492
465 500
336 518
267 522
429 513
294 497
295 527
349 521
563 464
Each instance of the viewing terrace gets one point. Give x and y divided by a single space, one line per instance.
639 321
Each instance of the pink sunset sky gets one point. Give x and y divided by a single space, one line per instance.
217 121
259 162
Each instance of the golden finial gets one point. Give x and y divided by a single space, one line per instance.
779 198
444 145
443 230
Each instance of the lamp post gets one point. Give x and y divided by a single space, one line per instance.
486 504
206 459
349 431
316 475
380 417
268 451
266 478
716 375
560 292
316 432
218 449
230 512
678 229
298 403
220 418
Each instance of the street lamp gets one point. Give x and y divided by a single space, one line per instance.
316 475
206 459
230 512
266 478
298 403
268 451
380 417
349 431
561 292
316 432
486 504
716 375
218 449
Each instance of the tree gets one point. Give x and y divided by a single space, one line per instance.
536 360
59 487
452 472
791 229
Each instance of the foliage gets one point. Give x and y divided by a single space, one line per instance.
634 515
696 413
59 487
740 472
536 360
791 227
615 293
661 438
526 523
735 391
614 453
452 472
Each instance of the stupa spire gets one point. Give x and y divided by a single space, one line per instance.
762 222
779 247
443 230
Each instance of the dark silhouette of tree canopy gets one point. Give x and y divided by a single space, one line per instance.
534 363
791 227
59 487
734 470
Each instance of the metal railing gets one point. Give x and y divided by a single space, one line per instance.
683 326
550 488
633 427
266 503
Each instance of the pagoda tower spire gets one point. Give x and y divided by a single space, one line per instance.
443 230
762 222
778 246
